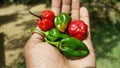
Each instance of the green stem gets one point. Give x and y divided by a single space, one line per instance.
56 44
69 13
40 31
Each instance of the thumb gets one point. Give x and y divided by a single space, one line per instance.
35 38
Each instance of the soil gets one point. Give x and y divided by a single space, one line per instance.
15 22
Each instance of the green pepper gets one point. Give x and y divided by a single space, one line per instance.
61 21
71 47
53 34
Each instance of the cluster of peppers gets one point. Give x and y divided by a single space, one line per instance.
63 33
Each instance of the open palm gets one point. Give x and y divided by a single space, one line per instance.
40 54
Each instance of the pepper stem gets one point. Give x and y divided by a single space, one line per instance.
34 14
56 44
69 13
38 30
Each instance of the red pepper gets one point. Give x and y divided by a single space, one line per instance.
48 14
45 21
45 24
77 29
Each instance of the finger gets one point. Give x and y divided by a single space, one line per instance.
56 5
75 9
84 16
36 37
66 5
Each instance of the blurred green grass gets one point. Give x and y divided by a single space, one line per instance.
106 41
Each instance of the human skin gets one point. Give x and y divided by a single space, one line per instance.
40 54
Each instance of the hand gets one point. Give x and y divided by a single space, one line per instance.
39 54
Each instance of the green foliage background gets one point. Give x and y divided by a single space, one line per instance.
105 28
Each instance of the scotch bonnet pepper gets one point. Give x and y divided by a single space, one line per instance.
77 29
45 24
45 21
61 21
53 34
71 47
48 14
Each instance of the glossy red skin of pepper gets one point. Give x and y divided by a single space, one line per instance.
77 29
45 24
48 14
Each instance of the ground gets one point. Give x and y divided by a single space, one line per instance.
15 22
